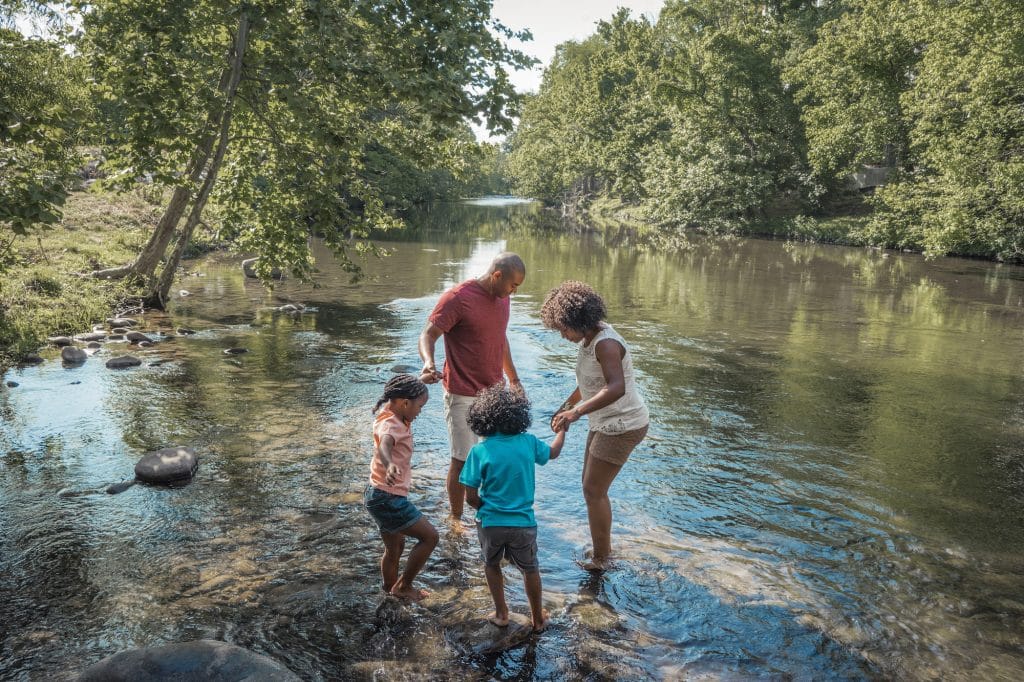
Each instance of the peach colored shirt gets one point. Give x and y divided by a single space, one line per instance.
387 423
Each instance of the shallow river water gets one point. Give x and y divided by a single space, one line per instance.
832 488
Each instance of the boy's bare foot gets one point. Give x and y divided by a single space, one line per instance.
500 621
544 619
410 593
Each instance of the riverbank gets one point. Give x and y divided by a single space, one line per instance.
43 293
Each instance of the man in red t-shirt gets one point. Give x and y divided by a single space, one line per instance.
472 317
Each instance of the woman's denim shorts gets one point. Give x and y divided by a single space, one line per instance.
393 513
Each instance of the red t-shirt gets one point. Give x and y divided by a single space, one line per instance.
474 324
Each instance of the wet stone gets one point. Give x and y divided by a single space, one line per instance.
478 636
169 465
137 337
60 341
91 336
12 384
121 322
72 355
205 659
235 351
122 361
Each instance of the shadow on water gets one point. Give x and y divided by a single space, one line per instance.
830 488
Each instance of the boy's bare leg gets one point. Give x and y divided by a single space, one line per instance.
533 595
496 585
456 491
426 536
394 545
597 478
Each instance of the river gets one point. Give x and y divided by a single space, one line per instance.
833 485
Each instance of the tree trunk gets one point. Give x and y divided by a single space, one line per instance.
158 291
153 252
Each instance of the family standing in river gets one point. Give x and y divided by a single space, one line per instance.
492 456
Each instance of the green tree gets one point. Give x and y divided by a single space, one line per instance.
586 128
965 192
736 149
43 102
284 110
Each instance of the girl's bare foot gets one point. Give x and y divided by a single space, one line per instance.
500 621
538 627
409 593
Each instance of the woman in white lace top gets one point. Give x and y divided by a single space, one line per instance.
606 392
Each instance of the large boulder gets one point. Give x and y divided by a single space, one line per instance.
204 659
478 636
167 466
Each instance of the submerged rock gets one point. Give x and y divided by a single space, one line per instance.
478 636
204 659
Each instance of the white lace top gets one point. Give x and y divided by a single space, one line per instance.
628 412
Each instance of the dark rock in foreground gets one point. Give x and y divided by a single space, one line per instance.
205 659
170 465
72 355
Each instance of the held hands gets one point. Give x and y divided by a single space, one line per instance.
430 375
562 420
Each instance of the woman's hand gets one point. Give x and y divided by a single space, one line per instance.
562 420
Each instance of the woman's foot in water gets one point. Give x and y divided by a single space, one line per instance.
595 564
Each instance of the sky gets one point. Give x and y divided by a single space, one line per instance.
553 22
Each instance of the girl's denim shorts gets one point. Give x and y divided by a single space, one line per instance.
393 513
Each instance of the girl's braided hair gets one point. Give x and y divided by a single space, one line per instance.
573 305
401 386
499 410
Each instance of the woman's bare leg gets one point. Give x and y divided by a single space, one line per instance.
597 478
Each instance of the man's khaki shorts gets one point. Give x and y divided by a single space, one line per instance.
456 414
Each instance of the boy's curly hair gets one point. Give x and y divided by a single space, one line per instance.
499 410
572 305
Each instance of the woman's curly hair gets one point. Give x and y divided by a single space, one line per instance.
499 410
573 305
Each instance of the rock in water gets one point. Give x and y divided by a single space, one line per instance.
170 465
122 361
204 659
72 355
478 636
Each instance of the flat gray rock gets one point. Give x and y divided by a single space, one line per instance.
478 636
204 659
170 465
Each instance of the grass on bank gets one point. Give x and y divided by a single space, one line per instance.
41 291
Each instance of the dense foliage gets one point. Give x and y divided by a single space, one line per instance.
725 114
43 107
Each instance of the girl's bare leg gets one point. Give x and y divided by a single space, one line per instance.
426 537
597 478
394 545
496 585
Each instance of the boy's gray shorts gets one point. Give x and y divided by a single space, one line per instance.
517 544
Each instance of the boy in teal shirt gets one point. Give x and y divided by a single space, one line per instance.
499 480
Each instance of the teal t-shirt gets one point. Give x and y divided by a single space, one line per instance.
501 468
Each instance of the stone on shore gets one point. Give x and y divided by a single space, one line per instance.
204 659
